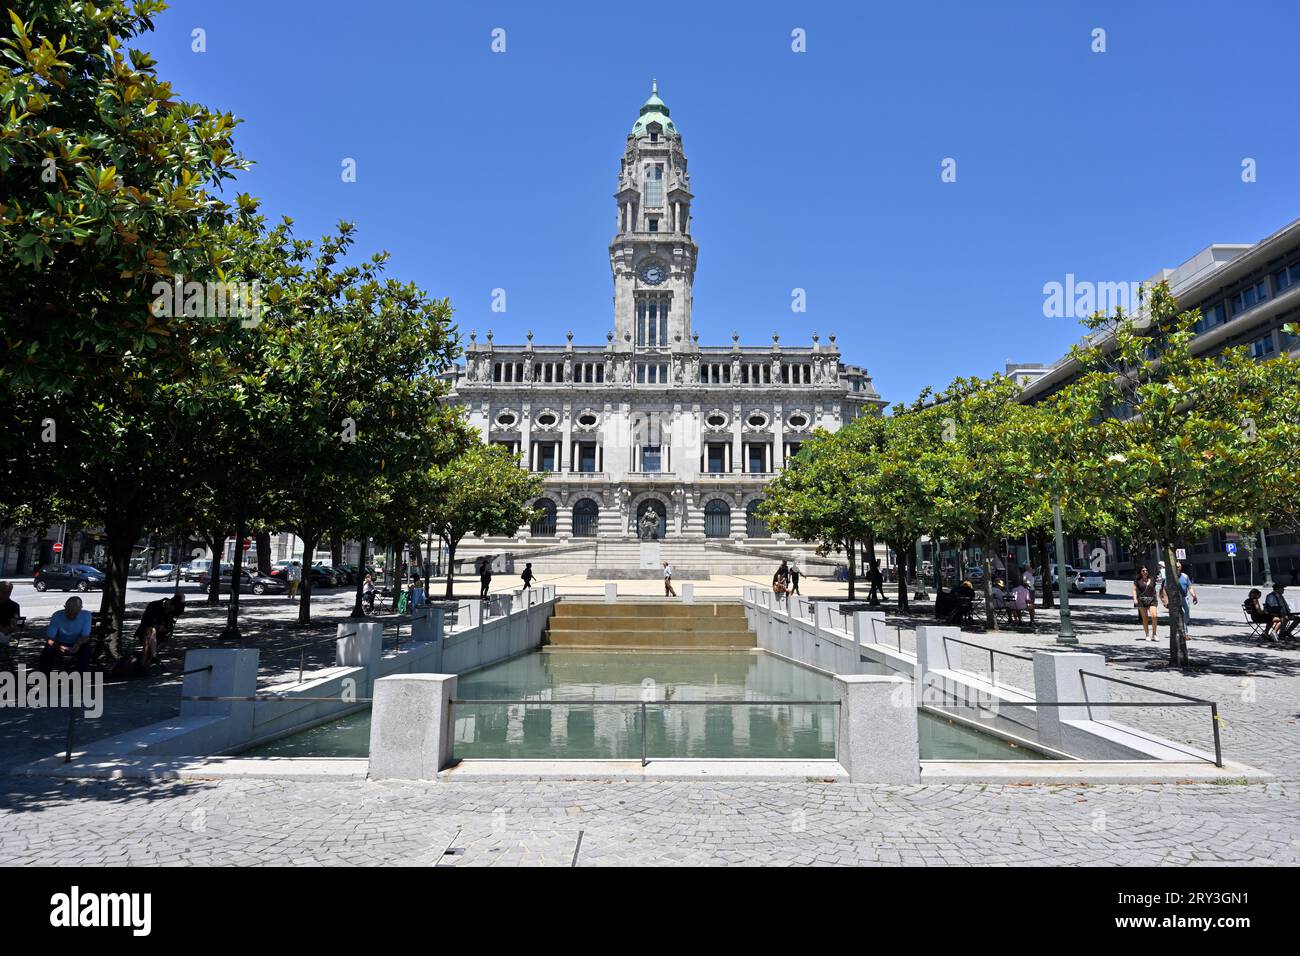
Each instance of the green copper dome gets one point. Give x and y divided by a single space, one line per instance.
653 110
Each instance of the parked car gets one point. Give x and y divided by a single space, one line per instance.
68 577
326 576
248 581
1070 574
163 572
341 573
191 571
320 577
1087 579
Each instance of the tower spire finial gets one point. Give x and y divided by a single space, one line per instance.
654 85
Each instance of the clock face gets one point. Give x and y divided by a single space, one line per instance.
654 274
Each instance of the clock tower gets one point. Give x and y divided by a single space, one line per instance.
653 255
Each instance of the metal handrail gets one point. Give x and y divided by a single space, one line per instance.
1182 700
640 704
991 650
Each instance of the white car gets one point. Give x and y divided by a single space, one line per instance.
1088 580
163 572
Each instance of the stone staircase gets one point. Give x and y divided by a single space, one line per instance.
650 623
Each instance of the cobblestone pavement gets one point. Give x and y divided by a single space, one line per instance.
464 824
532 823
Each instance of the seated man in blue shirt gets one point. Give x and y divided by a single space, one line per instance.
67 639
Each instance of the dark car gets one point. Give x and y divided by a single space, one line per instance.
68 577
320 577
342 573
256 583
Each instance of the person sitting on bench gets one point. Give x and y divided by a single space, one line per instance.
67 640
155 628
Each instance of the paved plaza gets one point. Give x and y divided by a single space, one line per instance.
258 821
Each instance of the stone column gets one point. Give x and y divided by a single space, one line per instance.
737 439
877 739
566 430
778 438
411 726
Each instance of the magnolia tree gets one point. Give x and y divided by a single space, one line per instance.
1179 442
108 190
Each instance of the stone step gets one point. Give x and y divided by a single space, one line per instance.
653 612
632 622
566 637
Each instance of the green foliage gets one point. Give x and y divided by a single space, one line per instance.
1179 442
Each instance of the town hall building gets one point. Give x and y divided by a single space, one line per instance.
651 436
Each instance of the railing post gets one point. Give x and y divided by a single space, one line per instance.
72 726
643 719
1218 746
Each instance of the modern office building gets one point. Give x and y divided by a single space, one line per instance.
650 421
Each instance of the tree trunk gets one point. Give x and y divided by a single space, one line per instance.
1177 625
231 631
358 609
336 549
263 539
451 564
304 602
852 568
121 538
216 542
906 559
1045 565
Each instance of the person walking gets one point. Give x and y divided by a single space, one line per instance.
781 582
794 579
484 577
1186 596
1144 599
668 581
877 582
292 579
528 575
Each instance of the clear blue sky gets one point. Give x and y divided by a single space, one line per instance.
817 170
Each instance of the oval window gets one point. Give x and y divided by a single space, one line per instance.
546 419
798 421
505 418
758 421
717 421
588 419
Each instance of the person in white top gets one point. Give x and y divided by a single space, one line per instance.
668 581
1027 579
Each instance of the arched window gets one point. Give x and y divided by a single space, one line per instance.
543 525
650 504
717 519
755 526
586 519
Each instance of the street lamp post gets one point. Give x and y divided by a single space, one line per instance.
1263 545
1066 633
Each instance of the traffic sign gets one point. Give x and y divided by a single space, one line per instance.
58 547
248 543
1231 547
1181 554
